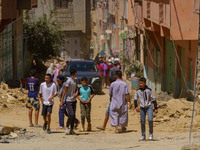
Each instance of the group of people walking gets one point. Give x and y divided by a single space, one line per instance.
107 69
69 93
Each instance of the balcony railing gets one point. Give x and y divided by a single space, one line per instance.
161 13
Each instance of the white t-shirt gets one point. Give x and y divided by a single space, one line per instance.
47 90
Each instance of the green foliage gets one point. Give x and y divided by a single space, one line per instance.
45 37
130 67
135 67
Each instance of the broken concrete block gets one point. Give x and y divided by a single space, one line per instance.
7 130
13 135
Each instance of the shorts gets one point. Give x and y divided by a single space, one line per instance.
33 103
108 110
46 109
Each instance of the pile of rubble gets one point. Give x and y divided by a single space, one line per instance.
9 97
11 134
180 110
55 61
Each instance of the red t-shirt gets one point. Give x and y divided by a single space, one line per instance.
100 69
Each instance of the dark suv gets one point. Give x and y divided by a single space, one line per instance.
85 68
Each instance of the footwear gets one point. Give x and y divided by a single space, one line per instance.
89 128
72 132
76 125
37 126
142 138
67 131
58 128
45 126
150 136
124 129
82 130
48 131
101 128
31 125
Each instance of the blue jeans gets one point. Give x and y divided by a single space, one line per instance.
62 112
149 112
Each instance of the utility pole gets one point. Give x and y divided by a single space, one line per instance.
196 79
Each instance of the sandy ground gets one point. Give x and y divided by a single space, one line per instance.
166 134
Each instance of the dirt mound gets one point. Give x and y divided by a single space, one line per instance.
10 97
177 113
191 147
163 96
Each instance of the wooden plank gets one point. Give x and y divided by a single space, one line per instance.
5 130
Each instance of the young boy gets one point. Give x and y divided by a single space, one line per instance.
146 97
62 111
119 94
69 96
33 101
86 94
103 127
47 93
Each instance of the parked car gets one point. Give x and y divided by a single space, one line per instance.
85 68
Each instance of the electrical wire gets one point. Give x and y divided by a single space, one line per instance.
179 62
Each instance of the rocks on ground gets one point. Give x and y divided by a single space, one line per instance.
9 97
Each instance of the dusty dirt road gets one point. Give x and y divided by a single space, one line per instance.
166 136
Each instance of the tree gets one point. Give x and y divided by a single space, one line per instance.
45 37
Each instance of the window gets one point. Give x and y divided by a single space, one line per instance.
62 3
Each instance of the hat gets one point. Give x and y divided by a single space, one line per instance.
109 60
61 77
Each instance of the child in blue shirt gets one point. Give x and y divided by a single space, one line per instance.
86 94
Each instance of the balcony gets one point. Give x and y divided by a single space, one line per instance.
157 12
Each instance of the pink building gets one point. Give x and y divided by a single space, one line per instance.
167 27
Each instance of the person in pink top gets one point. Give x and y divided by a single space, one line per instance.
56 73
104 64
100 68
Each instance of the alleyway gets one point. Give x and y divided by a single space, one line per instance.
167 136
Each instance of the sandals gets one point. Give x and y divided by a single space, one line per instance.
101 128
31 125
58 128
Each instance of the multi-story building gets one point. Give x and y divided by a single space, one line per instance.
169 33
112 26
11 37
75 20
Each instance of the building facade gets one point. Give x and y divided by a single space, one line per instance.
168 31
74 16
11 38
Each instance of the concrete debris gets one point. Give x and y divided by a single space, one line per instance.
13 135
4 141
4 130
164 96
12 97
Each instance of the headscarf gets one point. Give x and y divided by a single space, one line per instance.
50 69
